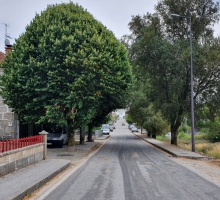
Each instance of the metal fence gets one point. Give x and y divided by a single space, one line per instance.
19 143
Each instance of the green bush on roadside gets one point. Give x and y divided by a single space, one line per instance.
162 138
201 136
184 136
213 134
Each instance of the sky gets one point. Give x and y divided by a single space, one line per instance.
114 14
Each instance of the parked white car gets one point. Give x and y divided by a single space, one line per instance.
134 129
130 126
106 131
104 126
57 136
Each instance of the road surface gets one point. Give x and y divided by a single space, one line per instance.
127 168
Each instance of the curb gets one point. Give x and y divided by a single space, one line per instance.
174 154
99 138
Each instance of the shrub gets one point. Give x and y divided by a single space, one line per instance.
184 128
214 132
201 136
184 136
162 138
204 130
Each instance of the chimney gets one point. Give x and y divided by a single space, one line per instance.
8 48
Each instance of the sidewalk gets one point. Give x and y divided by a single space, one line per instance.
171 149
23 182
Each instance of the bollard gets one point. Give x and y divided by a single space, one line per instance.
45 143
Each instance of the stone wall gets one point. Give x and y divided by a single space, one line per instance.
11 161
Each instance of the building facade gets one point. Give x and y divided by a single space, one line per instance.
9 126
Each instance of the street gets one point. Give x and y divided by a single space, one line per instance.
128 168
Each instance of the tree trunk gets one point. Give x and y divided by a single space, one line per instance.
154 134
174 132
149 133
174 128
71 137
82 136
90 133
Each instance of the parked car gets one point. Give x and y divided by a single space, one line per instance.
57 136
134 129
111 128
104 126
130 126
106 131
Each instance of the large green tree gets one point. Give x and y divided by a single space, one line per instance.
160 51
62 68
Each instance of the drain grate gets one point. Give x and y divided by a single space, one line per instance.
65 155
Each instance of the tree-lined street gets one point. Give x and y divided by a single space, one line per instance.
129 168
68 70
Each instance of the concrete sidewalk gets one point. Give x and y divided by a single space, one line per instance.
25 181
171 149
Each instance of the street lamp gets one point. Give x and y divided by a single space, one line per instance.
191 82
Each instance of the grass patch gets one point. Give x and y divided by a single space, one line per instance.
202 145
215 151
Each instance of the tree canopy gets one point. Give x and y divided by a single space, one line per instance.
159 50
64 68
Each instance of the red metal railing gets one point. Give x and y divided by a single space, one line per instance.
19 143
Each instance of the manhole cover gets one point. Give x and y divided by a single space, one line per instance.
65 155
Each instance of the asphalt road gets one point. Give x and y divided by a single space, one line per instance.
131 169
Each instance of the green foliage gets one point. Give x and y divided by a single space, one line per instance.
154 123
184 128
162 138
128 119
160 52
138 107
204 130
142 112
201 136
213 134
67 68
203 14
184 136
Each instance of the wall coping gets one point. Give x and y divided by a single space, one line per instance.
20 149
